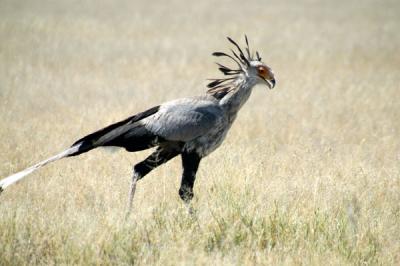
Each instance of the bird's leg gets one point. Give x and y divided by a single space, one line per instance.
190 163
140 170
132 190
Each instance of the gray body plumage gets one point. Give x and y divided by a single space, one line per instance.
201 122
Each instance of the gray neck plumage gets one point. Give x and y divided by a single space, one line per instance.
234 100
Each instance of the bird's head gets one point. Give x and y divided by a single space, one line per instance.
249 65
262 73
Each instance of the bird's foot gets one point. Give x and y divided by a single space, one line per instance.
127 215
190 210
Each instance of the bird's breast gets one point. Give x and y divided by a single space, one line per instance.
207 143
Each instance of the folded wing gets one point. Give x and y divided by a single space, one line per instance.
185 119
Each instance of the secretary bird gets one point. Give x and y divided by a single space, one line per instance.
191 127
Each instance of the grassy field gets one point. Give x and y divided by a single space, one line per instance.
309 174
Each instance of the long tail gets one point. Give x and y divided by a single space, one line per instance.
126 133
4 183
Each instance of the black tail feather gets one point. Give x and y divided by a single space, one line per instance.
120 134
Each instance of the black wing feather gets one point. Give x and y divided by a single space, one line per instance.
91 141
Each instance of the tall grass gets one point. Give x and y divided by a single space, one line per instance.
309 173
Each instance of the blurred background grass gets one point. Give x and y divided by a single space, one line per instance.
309 173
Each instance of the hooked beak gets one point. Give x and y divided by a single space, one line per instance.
270 83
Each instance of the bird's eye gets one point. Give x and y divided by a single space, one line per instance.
262 71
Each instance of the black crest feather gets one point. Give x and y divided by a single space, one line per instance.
240 51
219 54
248 47
258 56
220 87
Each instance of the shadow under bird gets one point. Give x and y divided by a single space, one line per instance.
190 127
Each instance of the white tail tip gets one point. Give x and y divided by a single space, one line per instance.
4 183
16 177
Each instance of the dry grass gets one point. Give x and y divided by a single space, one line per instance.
308 175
